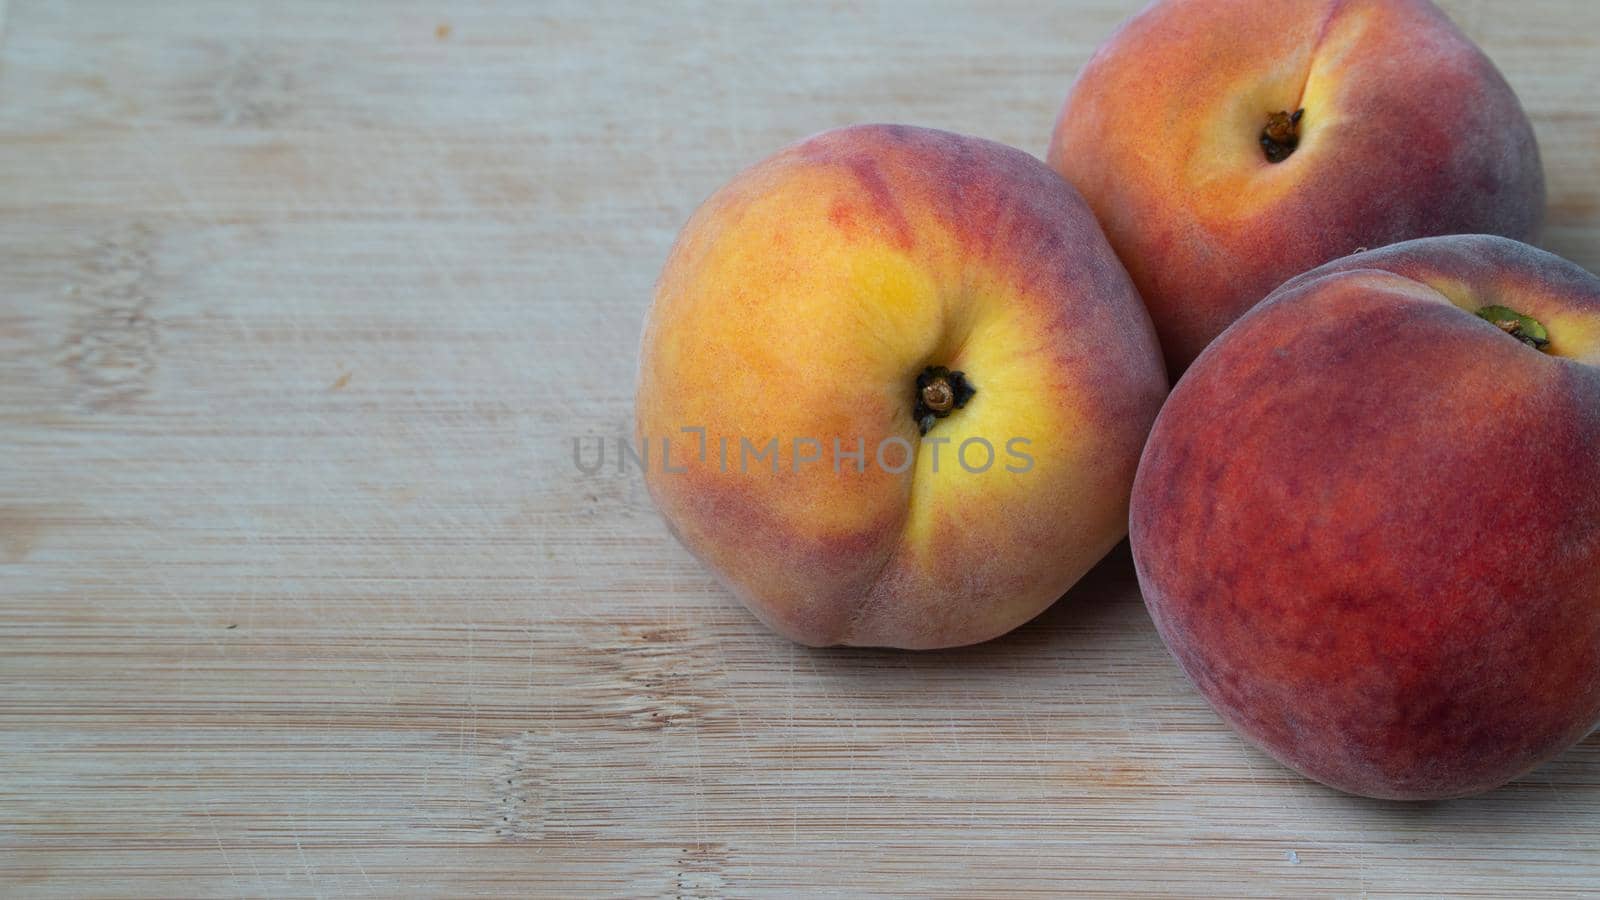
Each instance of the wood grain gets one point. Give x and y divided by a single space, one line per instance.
301 305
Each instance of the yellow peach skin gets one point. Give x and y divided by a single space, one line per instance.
1181 132
801 304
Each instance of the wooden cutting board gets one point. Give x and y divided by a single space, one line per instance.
301 306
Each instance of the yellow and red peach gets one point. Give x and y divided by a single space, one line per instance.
831 303
1367 523
1227 145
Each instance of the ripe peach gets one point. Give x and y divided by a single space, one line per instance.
838 300
1367 523
1227 145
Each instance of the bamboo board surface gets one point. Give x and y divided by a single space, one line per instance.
301 305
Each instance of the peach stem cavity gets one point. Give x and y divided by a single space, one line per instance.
1524 328
1281 135
939 393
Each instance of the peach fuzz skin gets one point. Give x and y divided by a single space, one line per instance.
802 301
1367 523
1408 131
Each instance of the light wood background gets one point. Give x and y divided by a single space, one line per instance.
301 305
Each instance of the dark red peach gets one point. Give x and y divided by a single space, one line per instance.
1367 523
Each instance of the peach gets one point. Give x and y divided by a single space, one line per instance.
902 383
1227 145
1367 523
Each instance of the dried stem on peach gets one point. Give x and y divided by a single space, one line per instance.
939 392
1282 135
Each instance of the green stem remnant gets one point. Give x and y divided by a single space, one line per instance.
1282 135
1524 328
939 392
